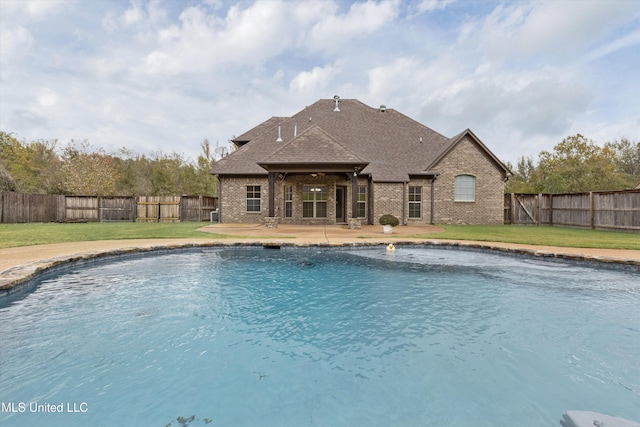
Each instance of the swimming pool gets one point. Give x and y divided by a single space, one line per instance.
311 336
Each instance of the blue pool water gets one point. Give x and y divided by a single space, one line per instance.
321 337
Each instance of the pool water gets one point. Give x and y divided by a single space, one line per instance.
319 337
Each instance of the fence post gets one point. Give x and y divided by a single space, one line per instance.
61 208
513 208
591 211
551 209
539 208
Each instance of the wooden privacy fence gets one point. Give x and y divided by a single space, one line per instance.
158 209
23 208
99 209
175 208
613 210
197 208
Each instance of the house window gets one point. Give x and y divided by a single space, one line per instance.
314 201
415 202
253 198
465 188
362 201
288 201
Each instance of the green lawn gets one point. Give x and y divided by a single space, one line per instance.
12 235
541 235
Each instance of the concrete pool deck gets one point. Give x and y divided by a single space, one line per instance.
20 264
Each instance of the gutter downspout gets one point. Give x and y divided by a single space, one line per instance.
219 199
433 203
404 202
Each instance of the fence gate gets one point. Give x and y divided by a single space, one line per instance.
117 209
158 209
522 209
197 208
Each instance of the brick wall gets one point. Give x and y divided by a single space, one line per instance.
233 200
468 159
425 218
387 199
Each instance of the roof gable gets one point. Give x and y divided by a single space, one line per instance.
453 142
314 145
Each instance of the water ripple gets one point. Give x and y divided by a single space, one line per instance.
325 337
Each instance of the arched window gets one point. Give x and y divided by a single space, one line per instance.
465 188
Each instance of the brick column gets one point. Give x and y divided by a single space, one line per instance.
271 222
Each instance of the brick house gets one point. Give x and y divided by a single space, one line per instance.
341 161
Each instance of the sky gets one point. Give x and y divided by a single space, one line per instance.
161 76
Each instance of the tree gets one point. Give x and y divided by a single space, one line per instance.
627 156
207 184
134 173
7 183
35 166
88 173
577 164
81 169
521 182
164 174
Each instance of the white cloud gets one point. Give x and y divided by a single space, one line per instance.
203 41
34 10
624 42
47 98
315 80
17 17
551 28
431 5
14 40
133 15
333 30
161 74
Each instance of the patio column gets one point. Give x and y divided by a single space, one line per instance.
354 195
272 195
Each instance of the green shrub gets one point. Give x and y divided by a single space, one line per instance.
389 220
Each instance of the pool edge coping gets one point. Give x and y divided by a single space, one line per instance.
17 277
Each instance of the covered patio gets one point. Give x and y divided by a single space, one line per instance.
315 154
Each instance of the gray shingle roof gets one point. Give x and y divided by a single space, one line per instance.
256 131
314 145
394 145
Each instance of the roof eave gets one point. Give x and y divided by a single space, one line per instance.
313 166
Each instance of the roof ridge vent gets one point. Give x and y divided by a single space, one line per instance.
383 108
336 98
